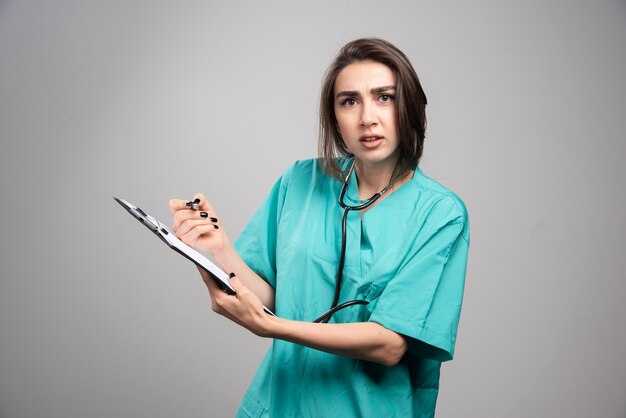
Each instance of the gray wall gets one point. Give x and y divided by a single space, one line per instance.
153 100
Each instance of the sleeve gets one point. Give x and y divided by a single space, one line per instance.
257 243
423 301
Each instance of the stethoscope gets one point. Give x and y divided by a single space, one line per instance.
342 255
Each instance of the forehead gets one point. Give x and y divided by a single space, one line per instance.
363 76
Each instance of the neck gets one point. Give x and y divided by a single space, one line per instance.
372 178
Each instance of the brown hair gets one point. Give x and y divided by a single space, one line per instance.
410 102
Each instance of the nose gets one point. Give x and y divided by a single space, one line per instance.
368 115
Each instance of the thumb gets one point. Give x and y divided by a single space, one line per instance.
204 203
235 282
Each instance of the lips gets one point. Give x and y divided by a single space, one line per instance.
371 141
370 138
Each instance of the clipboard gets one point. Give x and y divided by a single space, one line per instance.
168 237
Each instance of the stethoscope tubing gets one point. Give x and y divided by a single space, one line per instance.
342 255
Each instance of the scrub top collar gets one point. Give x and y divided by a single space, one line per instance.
353 186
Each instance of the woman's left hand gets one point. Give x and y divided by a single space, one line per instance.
362 340
244 308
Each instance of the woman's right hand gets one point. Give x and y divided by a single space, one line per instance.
200 229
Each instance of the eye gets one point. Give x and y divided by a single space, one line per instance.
348 102
386 98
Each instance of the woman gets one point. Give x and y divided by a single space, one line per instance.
404 258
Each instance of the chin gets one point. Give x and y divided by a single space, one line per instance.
376 158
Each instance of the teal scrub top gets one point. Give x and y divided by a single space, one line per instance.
407 256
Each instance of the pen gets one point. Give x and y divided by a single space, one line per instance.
195 205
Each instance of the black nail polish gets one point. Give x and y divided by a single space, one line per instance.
216 227
204 214
231 275
189 203
196 201
213 219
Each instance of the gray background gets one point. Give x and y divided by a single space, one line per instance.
153 100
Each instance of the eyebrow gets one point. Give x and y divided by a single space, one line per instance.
375 90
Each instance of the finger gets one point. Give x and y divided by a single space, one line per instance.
244 295
190 224
177 204
208 280
220 300
215 291
235 283
184 215
181 216
208 216
204 204
196 232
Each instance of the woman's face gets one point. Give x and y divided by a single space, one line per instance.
365 110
